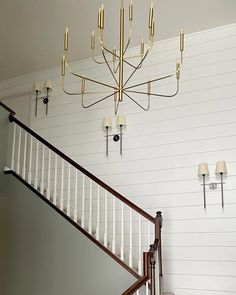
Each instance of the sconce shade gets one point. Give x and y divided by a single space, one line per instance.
48 85
221 167
37 87
107 123
121 121
203 169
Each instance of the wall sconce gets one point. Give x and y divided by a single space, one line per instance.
221 170
37 89
107 124
203 171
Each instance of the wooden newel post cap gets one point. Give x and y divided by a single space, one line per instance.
152 248
11 118
159 216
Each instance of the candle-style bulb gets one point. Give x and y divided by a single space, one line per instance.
149 88
114 54
93 40
102 17
142 48
66 40
182 40
63 65
122 4
131 10
99 18
151 15
83 85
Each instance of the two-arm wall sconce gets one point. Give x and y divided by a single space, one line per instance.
203 172
37 89
107 124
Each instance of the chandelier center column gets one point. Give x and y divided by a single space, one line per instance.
122 37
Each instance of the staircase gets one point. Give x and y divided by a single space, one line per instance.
121 229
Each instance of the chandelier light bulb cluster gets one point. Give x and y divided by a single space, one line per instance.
116 60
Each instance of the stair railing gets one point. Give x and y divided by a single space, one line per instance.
149 264
119 227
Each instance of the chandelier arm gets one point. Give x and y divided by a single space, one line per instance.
151 81
117 68
130 36
117 56
97 61
155 94
96 102
149 46
88 79
109 67
79 93
67 92
138 104
138 67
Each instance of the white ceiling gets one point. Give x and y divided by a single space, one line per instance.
32 30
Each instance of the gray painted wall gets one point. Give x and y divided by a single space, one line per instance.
47 255
4 130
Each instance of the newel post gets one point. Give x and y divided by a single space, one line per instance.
152 250
158 227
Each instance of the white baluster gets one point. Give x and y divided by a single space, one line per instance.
148 233
114 225
147 288
90 206
36 165
62 185
83 201
130 238
24 157
42 174
76 197
49 175
68 192
98 215
13 147
139 246
30 161
18 154
105 232
122 233
55 182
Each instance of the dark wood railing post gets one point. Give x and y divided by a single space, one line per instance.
152 268
158 227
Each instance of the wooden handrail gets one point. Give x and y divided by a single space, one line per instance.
83 170
7 108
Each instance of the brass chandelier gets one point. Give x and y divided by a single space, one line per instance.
116 61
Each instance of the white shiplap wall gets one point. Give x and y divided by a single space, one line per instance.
162 149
